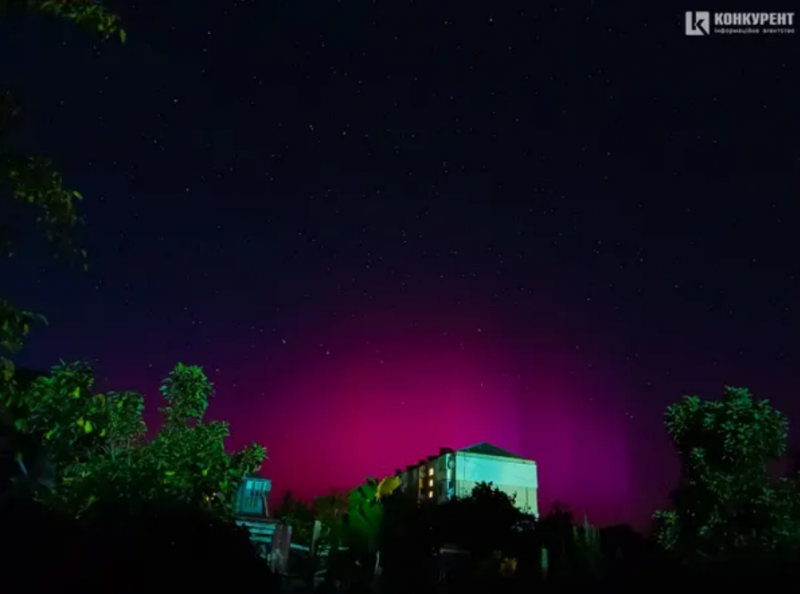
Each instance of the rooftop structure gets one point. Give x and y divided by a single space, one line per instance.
455 473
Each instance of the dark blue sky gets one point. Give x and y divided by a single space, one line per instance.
383 227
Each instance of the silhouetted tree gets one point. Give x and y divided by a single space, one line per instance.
493 520
406 542
162 546
555 536
330 510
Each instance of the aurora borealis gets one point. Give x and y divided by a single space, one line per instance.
382 229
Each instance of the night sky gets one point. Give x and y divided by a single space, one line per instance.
385 227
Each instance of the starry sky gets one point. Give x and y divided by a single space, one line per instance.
385 226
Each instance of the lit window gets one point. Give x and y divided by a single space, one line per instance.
430 482
430 472
430 494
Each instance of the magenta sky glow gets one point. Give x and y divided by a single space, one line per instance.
376 404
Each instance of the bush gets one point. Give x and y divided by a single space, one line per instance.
158 548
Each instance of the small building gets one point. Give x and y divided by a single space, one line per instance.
454 474
251 499
270 538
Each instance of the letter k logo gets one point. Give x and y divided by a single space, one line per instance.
697 23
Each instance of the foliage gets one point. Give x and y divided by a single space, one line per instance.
365 512
556 538
387 486
488 500
72 421
90 14
487 536
407 541
297 514
33 180
186 391
727 502
160 547
14 327
330 510
494 520
361 511
97 447
331 507
587 547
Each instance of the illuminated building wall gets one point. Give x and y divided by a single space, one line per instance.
252 513
251 499
454 473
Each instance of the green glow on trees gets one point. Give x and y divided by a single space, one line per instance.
90 14
365 512
96 446
727 501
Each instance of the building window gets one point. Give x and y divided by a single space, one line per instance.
430 482
430 472
430 494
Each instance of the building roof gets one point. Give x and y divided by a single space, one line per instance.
483 448
490 450
257 479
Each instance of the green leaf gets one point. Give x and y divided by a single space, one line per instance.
123 35
88 427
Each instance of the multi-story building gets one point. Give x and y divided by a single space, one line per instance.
454 474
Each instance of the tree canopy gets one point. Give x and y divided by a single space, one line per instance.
727 502
96 443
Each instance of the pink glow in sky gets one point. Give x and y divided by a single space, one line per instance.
389 393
